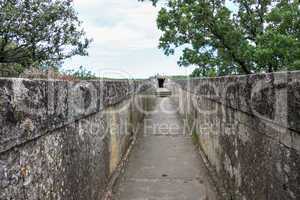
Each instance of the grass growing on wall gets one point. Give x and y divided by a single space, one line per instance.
195 138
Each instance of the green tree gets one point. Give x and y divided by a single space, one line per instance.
232 36
82 74
11 70
201 72
39 32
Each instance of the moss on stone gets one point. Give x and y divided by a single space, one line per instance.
195 138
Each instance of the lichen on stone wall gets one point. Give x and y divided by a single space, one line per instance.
54 138
248 129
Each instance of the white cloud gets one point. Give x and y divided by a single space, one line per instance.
125 38
120 24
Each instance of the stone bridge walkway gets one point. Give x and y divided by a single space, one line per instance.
164 164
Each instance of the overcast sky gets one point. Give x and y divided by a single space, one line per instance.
125 40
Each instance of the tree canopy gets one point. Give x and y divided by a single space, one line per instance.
38 32
232 36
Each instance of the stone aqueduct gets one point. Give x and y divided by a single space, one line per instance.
69 140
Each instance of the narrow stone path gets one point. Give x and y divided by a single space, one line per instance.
164 164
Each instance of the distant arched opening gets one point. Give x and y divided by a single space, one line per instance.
161 82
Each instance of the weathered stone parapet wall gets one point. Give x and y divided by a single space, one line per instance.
58 140
124 123
248 129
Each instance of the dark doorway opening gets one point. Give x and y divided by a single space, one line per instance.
161 82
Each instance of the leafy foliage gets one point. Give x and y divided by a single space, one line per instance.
11 70
232 36
200 72
81 74
178 77
39 32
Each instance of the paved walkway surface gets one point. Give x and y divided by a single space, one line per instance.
164 164
163 92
